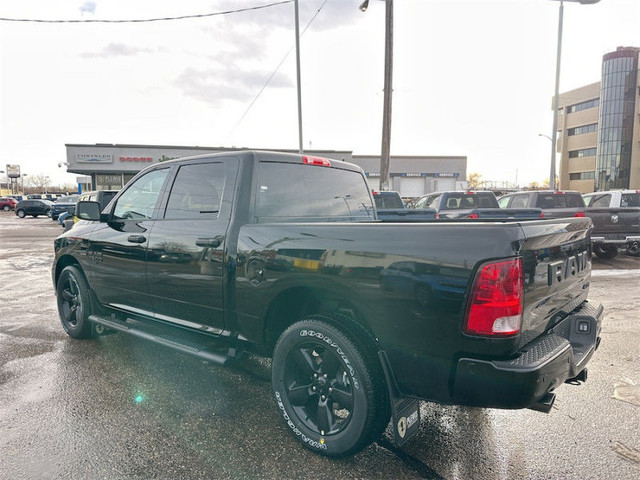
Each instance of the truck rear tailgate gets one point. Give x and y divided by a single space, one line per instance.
557 272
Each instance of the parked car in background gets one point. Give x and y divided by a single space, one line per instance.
8 203
613 199
103 197
554 204
616 221
34 208
481 205
391 208
63 204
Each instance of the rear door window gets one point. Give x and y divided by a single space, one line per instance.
197 192
328 194
630 200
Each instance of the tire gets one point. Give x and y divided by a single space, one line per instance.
6 208
329 390
47 213
53 216
606 252
74 303
21 213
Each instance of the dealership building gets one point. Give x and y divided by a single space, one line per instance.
110 166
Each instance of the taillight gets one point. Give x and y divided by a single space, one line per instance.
323 162
541 214
495 302
473 215
579 214
437 216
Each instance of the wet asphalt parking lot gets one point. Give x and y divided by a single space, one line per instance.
119 407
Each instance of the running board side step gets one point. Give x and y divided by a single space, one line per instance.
169 341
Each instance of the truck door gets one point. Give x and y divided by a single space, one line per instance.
186 252
117 248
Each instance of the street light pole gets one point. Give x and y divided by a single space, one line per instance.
554 133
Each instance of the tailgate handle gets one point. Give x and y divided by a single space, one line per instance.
136 238
209 242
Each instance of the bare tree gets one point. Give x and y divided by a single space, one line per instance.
474 180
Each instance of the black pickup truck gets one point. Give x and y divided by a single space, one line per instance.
282 255
616 221
391 208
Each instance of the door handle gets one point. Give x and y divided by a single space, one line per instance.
136 238
209 242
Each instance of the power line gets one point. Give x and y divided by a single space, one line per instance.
275 71
148 20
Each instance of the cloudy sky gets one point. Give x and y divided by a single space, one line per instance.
471 78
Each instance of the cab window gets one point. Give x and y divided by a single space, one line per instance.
139 200
196 192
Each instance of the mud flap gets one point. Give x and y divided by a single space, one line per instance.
405 411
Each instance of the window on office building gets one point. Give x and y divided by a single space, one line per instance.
583 105
582 176
585 152
592 127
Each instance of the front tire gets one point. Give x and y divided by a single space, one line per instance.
606 252
329 389
74 302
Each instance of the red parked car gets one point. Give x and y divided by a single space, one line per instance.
7 203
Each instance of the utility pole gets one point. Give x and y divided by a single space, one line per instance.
388 90
297 22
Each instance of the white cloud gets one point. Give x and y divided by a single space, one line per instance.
88 7
116 50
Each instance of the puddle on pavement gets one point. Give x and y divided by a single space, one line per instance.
627 391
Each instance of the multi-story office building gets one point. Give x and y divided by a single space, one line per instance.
599 128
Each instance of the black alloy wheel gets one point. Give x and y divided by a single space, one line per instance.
329 389
74 303
319 387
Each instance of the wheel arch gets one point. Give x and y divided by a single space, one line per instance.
63 262
296 303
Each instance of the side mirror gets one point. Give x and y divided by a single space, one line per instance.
88 211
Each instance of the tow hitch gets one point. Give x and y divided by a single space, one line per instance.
581 377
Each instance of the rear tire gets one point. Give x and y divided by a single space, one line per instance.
606 252
6 208
329 389
74 303
21 213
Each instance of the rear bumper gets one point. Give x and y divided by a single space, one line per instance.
538 368
615 239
